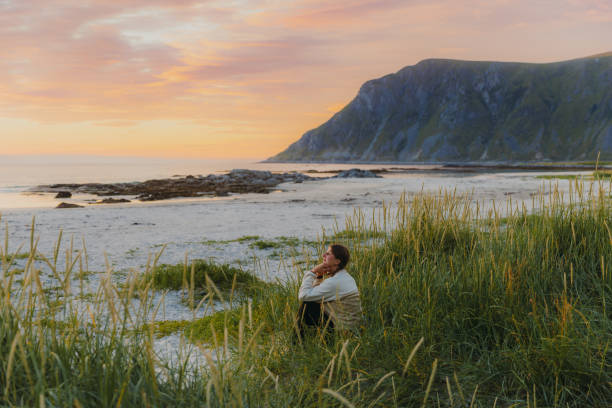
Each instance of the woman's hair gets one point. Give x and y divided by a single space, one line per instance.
342 253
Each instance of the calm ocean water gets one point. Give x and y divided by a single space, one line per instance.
20 173
27 171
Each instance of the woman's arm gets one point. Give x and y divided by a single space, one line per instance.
311 293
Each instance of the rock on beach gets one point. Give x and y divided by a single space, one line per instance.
356 173
111 200
236 181
63 194
68 205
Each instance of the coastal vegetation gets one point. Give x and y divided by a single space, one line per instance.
257 242
196 273
560 177
464 305
596 175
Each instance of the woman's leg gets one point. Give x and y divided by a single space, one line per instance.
311 314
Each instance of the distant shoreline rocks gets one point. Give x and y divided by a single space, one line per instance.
237 181
453 166
356 173
63 194
241 181
111 200
68 205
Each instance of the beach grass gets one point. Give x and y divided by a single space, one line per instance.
259 243
602 174
200 281
195 274
596 163
596 175
560 177
464 306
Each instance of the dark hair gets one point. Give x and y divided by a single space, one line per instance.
342 253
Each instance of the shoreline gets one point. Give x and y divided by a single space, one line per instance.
293 209
218 184
460 166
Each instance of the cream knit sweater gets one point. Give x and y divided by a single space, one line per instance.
339 296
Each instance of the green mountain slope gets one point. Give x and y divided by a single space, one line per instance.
450 110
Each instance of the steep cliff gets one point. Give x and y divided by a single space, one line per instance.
449 110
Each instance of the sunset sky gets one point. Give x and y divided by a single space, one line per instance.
192 78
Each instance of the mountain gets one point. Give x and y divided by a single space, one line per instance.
468 111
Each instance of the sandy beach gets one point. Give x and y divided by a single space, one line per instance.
129 233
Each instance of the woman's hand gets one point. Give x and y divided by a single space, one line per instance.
321 269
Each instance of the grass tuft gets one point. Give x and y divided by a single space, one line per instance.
180 276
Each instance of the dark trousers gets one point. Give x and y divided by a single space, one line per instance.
310 314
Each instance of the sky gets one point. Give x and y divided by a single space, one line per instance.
238 78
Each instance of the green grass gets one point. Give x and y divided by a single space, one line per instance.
194 275
294 248
360 235
85 275
603 174
242 239
257 242
567 163
596 175
131 253
23 255
460 309
560 177
247 238
281 242
263 244
595 163
20 256
210 329
168 327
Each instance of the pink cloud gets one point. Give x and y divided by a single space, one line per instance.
117 62
247 58
347 11
117 123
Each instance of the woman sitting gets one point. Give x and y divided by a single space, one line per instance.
329 295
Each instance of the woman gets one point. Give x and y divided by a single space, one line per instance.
329 296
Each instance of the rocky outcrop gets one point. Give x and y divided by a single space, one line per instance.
236 181
467 111
68 205
356 173
111 200
63 194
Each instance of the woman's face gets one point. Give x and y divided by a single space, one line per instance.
330 260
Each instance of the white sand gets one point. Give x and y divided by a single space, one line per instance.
128 233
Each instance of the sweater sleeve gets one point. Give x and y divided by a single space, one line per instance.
309 293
